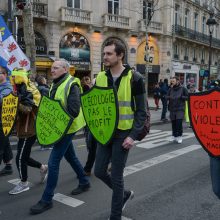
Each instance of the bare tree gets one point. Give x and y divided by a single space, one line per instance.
29 36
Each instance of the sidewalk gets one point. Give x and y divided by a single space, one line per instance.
156 115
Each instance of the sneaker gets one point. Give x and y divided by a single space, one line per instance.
40 207
43 173
127 195
172 139
19 188
80 189
6 171
179 140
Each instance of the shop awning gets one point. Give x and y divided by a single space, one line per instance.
44 62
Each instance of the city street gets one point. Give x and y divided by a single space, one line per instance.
171 182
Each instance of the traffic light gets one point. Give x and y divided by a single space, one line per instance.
20 4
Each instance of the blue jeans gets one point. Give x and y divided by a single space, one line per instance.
63 148
215 175
115 153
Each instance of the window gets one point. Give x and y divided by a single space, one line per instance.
204 25
147 10
194 54
177 15
196 21
73 3
186 51
216 31
187 19
113 7
175 51
203 55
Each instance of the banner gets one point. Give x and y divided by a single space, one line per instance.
11 56
204 112
101 112
9 112
52 122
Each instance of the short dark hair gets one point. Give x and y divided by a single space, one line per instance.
175 77
39 79
119 46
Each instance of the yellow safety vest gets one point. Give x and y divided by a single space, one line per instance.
126 114
62 94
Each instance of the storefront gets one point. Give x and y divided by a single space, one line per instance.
213 73
187 73
75 48
153 64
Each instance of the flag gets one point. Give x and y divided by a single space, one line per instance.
11 55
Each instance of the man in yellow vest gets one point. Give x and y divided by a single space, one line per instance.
132 115
66 89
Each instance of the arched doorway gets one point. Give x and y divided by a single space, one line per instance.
125 60
153 62
75 48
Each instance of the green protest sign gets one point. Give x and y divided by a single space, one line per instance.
52 122
9 112
100 110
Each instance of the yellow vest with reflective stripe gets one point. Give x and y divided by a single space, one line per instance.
126 114
62 94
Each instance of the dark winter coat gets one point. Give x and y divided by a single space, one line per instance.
177 97
43 89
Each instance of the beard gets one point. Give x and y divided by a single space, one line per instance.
110 64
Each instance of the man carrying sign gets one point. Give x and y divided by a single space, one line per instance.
66 89
5 148
132 115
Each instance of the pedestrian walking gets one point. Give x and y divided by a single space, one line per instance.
6 154
70 100
177 96
29 98
157 95
132 114
163 91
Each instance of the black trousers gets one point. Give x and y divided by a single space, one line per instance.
5 149
177 127
23 158
92 146
164 108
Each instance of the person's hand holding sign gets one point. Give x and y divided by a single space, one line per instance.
128 143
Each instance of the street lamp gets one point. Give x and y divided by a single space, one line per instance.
211 22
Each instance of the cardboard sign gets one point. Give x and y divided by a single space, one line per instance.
101 112
52 122
9 112
204 112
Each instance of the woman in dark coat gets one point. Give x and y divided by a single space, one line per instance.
176 96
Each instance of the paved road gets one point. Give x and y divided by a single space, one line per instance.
170 181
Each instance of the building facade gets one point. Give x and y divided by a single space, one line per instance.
178 42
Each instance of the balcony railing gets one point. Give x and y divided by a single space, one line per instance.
192 35
116 21
154 27
75 15
39 8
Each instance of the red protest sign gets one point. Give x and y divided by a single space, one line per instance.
204 112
